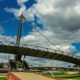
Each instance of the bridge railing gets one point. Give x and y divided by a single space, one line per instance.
47 49
40 48
7 43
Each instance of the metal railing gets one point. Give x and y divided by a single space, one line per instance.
40 48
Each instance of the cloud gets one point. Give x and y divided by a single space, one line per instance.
53 13
20 2
59 17
58 14
4 57
7 39
46 62
17 12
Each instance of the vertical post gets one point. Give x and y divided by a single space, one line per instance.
18 56
19 31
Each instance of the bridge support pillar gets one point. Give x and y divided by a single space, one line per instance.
23 62
12 65
18 57
18 63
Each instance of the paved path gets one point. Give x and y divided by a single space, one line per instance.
2 76
31 76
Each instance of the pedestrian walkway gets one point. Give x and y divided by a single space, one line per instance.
2 76
28 76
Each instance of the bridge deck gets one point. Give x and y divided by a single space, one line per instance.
30 76
40 52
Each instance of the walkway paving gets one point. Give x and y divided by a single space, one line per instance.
31 76
2 76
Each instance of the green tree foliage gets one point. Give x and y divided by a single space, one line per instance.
18 64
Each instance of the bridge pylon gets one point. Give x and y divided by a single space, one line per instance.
17 57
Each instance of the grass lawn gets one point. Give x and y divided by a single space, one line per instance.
2 78
65 76
2 75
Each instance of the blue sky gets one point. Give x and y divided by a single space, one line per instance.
77 46
10 28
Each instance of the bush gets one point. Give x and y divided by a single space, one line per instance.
18 64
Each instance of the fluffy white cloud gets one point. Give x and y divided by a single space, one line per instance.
59 17
17 12
7 39
20 2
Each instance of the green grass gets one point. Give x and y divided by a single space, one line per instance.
2 75
64 76
2 78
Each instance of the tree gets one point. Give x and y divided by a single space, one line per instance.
18 64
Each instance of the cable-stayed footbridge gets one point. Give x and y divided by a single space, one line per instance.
37 51
20 49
